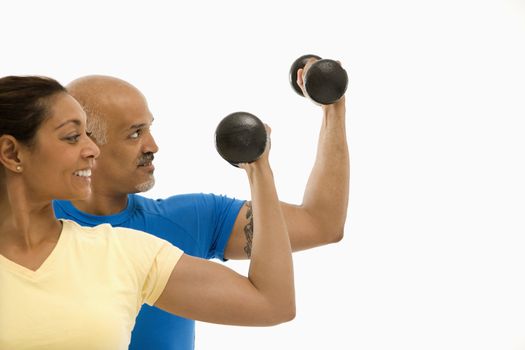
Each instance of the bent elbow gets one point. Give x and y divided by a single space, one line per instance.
282 315
338 236
287 313
329 232
332 234
290 315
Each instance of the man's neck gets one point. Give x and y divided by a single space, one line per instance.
102 204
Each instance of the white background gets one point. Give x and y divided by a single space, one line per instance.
434 249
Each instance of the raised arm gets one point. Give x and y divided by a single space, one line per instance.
210 292
321 217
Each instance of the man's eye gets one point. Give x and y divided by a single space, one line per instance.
135 135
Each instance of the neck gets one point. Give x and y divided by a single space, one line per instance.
24 220
103 203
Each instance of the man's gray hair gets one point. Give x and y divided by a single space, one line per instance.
96 125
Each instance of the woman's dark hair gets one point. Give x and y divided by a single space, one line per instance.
24 104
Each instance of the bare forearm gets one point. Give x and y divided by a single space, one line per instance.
271 270
327 190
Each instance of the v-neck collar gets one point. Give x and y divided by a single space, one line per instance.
48 262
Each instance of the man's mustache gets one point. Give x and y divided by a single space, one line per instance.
146 158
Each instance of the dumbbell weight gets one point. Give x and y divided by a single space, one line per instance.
240 137
325 81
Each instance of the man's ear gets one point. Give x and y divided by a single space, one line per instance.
10 156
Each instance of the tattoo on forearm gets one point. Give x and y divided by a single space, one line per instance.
248 230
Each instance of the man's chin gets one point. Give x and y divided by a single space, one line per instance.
145 186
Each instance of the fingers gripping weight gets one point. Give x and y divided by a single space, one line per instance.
325 81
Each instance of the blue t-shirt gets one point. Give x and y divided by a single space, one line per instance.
199 224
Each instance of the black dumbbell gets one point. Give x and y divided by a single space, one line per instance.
240 137
325 81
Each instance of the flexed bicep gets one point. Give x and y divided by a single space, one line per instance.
207 291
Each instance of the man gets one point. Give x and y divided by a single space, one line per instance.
203 225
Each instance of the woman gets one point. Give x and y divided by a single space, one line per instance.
63 286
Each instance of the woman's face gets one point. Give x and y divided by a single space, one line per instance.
58 165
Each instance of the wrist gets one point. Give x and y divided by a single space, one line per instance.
335 109
260 167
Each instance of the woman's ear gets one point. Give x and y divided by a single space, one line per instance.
10 153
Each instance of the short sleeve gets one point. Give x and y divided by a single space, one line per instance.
207 218
224 213
159 273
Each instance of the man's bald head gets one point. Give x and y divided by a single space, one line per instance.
99 96
119 121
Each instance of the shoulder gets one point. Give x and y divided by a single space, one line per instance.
117 239
202 201
79 230
182 203
106 231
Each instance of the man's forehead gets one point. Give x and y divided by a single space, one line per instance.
130 120
125 110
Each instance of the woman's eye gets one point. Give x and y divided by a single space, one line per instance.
73 138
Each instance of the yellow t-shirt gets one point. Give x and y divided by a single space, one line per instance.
87 293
